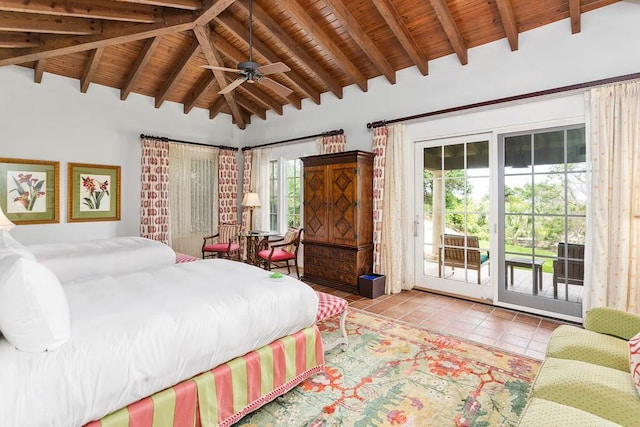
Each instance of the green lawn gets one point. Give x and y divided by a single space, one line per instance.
547 267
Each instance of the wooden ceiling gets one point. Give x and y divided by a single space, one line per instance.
158 48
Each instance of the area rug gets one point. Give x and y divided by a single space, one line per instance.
394 374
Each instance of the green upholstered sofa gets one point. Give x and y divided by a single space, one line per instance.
585 379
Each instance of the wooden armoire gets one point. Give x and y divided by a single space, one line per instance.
338 218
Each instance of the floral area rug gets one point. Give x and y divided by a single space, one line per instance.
394 374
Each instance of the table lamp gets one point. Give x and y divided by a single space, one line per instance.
251 201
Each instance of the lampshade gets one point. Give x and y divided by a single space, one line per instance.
5 224
251 200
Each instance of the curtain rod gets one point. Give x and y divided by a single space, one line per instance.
285 141
561 89
165 139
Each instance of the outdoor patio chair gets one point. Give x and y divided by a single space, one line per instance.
454 254
568 267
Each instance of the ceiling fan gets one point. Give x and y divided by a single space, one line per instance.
253 72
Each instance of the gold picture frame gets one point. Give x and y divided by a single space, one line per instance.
29 191
94 192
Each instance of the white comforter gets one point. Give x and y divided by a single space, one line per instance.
135 334
116 255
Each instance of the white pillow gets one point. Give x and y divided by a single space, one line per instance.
34 313
10 246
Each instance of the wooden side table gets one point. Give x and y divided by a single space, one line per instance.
536 264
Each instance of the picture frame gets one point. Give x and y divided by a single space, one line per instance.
29 190
94 192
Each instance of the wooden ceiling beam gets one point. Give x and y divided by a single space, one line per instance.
177 72
322 76
300 15
143 58
36 23
96 9
362 39
19 40
240 31
396 24
177 4
113 34
203 34
90 69
38 70
574 14
212 9
443 13
235 55
508 22
250 106
205 85
217 106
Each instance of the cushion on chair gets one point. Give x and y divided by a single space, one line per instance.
634 360
228 232
290 236
484 258
220 247
329 305
278 255
605 392
572 343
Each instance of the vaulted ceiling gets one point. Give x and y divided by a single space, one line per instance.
159 48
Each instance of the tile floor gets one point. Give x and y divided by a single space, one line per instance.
509 330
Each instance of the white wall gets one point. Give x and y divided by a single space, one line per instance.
547 57
55 121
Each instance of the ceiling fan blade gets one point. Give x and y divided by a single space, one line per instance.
278 67
231 86
232 70
281 90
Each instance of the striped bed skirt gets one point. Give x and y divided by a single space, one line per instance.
223 395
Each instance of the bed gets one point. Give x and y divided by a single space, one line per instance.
140 333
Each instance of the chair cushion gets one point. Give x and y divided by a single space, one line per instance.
289 236
573 343
278 255
605 392
540 412
634 360
484 258
228 232
221 247
329 305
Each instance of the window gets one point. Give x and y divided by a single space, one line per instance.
285 201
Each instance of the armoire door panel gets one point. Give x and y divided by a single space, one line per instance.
342 215
315 204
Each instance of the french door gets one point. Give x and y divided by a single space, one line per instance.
542 214
452 218
504 218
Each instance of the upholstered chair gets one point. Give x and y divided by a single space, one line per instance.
224 244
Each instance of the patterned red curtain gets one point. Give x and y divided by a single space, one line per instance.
227 187
334 144
154 195
379 145
246 186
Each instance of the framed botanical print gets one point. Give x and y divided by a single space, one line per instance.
94 193
29 190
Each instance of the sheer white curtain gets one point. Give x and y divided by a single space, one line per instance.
397 262
260 185
193 196
615 198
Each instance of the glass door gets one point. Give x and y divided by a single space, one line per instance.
542 214
452 222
